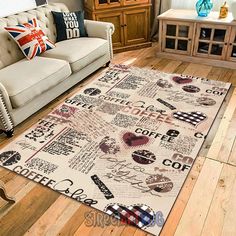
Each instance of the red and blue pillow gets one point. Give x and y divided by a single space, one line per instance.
30 38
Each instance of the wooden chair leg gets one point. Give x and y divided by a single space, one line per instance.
4 195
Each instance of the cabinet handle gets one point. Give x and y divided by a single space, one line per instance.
189 40
230 44
226 44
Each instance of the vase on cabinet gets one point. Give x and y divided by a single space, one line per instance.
204 7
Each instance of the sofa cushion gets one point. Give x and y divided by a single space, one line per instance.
30 38
79 52
69 25
24 80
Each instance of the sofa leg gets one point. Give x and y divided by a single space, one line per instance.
108 63
9 133
4 195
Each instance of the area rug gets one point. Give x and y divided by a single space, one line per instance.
124 144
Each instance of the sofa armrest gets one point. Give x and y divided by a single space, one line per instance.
6 122
99 29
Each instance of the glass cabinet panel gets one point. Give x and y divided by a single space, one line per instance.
219 35
233 54
170 43
217 49
211 41
102 4
182 45
205 33
171 30
178 37
102 1
183 31
203 47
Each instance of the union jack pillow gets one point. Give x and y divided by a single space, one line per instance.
30 38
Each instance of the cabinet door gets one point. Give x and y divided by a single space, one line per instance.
177 37
231 54
134 2
116 19
212 41
101 4
136 26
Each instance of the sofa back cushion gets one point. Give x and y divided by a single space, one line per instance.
9 50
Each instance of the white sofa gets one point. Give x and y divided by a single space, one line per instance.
26 86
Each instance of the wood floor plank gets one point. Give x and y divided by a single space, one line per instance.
232 156
139 232
229 142
113 230
161 64
197 70
226 75
182 200
215 73
128 231
3 172
229 227
13 186
212 133
43 224
171 66
145 57
75 221
191 69
218 143
59 223
25 213
233 78
7 177
181 68
220 203
86 231
5 208
195 213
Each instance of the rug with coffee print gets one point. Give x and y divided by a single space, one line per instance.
124 144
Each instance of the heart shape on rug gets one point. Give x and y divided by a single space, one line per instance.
193 118
137 215
133 140
182 80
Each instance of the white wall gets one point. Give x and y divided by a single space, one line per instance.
73 5
14 6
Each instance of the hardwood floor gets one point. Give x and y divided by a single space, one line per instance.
205 206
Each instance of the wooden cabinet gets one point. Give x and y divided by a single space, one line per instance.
131 19
208 40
